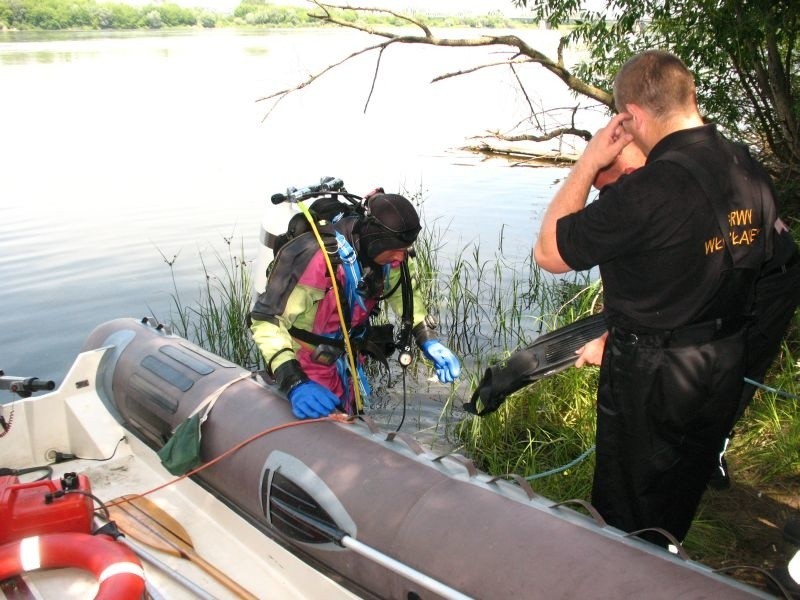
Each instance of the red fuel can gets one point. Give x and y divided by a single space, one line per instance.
48 506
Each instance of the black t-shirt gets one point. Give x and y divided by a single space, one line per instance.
657 240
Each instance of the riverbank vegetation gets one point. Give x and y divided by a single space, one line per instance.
52 15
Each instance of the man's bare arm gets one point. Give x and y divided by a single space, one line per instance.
571 196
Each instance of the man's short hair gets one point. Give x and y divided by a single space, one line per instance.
656 80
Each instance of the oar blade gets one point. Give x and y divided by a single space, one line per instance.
142 532
145 517
148 521
147 511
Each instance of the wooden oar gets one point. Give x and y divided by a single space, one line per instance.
143 520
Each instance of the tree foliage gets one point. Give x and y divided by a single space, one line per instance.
261 12
743 52
88 14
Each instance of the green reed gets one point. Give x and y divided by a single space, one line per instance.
218 320
766 444
487 307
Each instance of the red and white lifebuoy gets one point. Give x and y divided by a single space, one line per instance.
116 567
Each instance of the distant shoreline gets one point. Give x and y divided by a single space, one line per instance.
88 15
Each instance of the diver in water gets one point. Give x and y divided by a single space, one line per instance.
297 323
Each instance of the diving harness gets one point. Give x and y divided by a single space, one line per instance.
338 347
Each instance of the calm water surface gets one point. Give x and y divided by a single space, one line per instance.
118 150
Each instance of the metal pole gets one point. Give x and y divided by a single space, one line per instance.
403 569
166 569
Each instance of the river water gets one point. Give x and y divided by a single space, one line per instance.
122 149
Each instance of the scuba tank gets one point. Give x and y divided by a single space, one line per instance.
274 222
280 214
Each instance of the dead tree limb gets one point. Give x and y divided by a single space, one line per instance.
545 137
521 53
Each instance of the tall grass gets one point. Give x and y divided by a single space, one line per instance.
218 319
488 306
767 441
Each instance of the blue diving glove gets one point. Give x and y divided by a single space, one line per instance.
311 400
444 361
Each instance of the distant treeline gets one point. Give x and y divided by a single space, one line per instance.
89 14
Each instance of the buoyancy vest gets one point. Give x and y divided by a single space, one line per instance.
301 262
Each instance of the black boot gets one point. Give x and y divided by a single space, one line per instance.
791 531
781 574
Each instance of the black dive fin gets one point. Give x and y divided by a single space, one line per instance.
548 354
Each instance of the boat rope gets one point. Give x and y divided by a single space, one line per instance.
335 417
569 465
772 389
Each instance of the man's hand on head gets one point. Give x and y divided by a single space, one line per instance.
607 144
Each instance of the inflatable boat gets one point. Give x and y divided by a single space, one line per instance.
325 508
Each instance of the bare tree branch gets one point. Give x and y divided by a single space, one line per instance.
478 68
374 77
522 87
329 17
521 53
552 134
554 66
285 92
526 158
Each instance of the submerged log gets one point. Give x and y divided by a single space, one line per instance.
524 157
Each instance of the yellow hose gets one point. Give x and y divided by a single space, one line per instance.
345 334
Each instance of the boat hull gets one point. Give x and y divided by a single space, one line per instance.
440 516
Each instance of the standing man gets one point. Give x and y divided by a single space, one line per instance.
679 243
777 296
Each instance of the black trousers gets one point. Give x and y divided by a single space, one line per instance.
663 411
777 298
